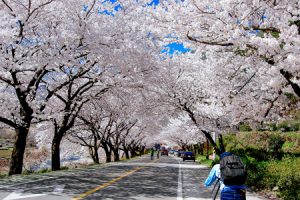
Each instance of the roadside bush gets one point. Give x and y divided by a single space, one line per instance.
292 143
45 170
258 154
64 168
245 128
272 126
276 142
286 126
256 171
27 172
285 175
3 176
282 176
272 159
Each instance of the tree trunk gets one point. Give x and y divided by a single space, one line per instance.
142 150
94 150
116 155
107 152
96 155
288 76
126 152
221 143
212 142
207 148
56 152
132 152
201 149
16 163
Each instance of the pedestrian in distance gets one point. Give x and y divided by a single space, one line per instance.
152 153
230 175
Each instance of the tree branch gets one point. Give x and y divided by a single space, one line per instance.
8 122
287 75
220 43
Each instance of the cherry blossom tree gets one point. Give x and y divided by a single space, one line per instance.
59 56
243 48
25 60
267 31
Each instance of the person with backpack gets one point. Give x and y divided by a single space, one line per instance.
231 174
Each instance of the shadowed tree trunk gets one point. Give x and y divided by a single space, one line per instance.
288 76
56 152
126 151
107 151
95 150
16 163
116 154
132 152
94 154
143 150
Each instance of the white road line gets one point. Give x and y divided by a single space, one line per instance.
179 188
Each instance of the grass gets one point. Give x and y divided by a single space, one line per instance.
3 175
202 160
292 134
5 153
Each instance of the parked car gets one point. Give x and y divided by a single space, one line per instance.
188 155
180 153
175 153
164 152
172 151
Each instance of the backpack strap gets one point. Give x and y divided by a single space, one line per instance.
217 185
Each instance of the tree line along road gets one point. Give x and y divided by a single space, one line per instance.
165 178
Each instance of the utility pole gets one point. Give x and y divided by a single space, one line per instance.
214 136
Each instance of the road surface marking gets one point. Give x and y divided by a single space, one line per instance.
17 195
83 195
179 188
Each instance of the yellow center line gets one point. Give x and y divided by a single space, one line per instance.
83 195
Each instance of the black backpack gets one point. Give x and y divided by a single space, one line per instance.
233 170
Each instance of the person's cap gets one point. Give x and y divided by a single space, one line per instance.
225 154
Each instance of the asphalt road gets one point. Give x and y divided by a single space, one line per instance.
166 178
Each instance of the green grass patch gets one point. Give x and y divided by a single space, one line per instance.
5 153
202 160
3 175
293 134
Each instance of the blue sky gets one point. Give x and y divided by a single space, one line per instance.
174 48
153 3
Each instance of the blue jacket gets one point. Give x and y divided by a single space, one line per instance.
215 174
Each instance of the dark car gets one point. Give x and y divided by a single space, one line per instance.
188 155
164 152
180 153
